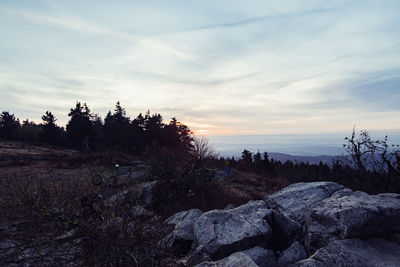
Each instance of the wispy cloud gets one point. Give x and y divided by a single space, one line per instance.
225 67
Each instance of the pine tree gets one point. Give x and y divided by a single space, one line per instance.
50 129
80 128
8 126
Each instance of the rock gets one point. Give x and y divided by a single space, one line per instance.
237 259
395 238
196 256
140 211
183 229
223 232
349 214
294 253
285 231
261 189
184 222
229 207
261 256
355 252
138 194
296 200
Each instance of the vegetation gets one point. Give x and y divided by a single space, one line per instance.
370 165
52 212
87 132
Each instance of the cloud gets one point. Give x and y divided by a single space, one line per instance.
283 16
227 67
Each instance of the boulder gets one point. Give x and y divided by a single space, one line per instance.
294 253
285 231
355 252
296 200
349 214
196 256
229 207
138 194
222 232
237 259
184 222
183 228
261 256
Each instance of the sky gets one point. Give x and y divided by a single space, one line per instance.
222 67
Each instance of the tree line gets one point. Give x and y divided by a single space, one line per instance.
370 165
87 131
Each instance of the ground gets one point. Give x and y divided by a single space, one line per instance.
41 192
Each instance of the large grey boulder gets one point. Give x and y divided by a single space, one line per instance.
261 256
183 227
294 253
285 230
237 259
222 232
352 214
297 200
354 253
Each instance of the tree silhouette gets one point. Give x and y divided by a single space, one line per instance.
118 129
257 161
177 134
138 135
50 129
80 128
247 158
30 131
8 126
153 126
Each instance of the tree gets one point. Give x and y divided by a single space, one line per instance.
177 134
360 149
138 136
257 161
80 128
8 126
50 129
153 127
247 157
29 131
202 151
374 160
266 163
118 129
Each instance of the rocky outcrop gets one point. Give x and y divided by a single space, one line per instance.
285 231
261 256
223 232
184 222
294 253
305 224
355 252
297 200
183 233
348 214
235 260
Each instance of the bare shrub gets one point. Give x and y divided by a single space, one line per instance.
60 217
